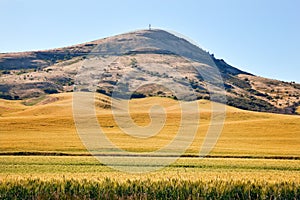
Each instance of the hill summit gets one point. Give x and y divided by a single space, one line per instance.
142 63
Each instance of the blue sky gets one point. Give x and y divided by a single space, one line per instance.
258 36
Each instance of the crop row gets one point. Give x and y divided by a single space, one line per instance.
146 189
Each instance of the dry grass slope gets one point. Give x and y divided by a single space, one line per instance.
48 126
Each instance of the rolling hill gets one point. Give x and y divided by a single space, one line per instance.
142 63
46 125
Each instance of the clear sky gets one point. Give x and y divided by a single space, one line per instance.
258 36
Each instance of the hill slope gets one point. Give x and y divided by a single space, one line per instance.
146 56
46 124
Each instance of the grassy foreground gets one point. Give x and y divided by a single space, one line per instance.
165 189
83 177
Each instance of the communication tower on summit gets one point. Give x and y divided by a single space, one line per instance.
149 27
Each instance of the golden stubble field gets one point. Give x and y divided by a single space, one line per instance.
46 125
42 157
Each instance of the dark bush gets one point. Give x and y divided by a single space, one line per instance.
136 95
50 91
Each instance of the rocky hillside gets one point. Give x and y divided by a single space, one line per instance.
142 63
